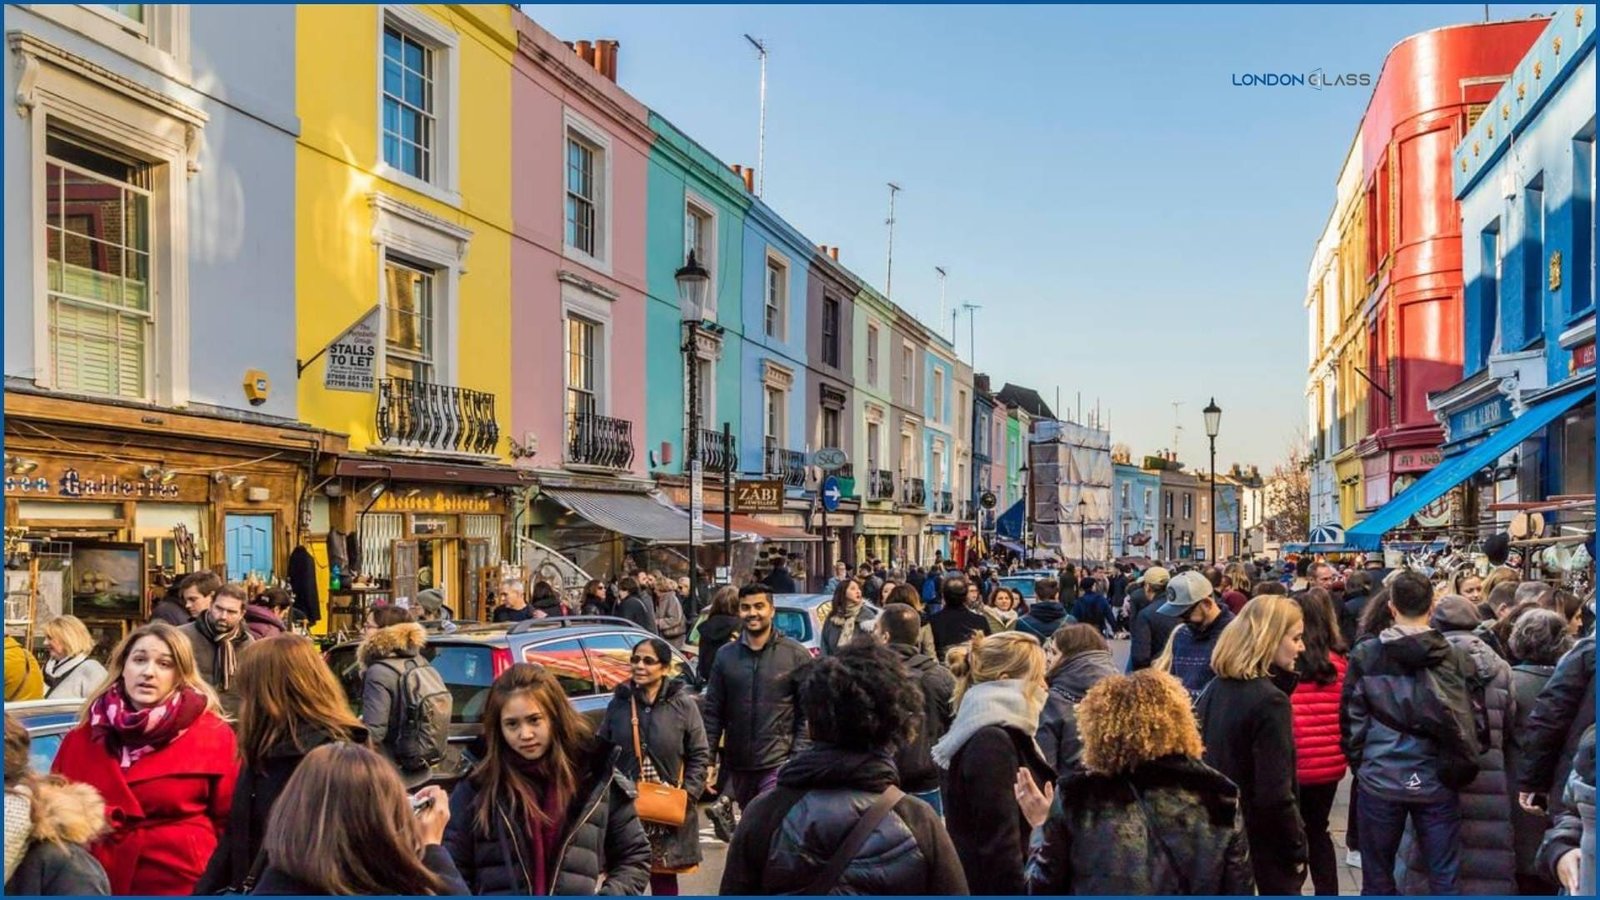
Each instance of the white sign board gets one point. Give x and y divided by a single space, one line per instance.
697 503
353 356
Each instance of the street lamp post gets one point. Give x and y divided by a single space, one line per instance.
1213 414
1083 522
693 280
1029 538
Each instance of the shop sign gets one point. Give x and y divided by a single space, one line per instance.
1477 419
1438 513
880 523
1583 356
434 502
87 484
352 357
1416 460
765 496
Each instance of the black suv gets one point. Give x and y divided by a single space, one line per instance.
587 654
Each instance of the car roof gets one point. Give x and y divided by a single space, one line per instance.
800 601
43 713
498 633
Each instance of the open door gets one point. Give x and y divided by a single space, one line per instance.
403 560
474 563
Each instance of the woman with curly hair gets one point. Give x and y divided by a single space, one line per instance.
1144 816
860 704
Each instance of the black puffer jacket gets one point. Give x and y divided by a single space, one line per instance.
674 737
787 835
751 698
1573 814
1098 841
1527 829
1058 722
602 836
918 773
1564 709
714 632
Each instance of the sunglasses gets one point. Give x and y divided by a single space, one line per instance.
644 660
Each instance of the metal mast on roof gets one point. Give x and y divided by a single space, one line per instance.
761 141
888 278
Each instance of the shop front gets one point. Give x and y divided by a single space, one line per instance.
876 534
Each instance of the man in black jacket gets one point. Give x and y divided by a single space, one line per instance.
1357 588
751 702
899 626
779 579
635 606
956 622
1045 613
861 705
1550 736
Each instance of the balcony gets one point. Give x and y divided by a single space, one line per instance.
790 465
422 415
599 441
717 455
880 484
965 512
913 491
947 503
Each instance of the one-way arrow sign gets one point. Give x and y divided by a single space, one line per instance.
831 493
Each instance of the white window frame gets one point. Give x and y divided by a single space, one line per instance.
937 413
431 354
597 309
874 363
707 349
53 85
838 331
576 126
908 374
417 235
874 453
695 203
786 270
161 43
444 183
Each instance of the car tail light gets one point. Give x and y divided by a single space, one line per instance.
500 660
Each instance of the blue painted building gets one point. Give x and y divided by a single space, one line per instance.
1520 424
939 444
777 265
1135 509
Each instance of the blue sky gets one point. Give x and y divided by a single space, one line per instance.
1135 227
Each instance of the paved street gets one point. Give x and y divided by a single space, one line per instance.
705 880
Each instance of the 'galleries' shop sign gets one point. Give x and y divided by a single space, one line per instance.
73 483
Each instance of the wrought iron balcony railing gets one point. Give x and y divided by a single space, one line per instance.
880 485
947 503
790 465
600 441
423 415
717 455
913 491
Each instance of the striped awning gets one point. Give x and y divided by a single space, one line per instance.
646 517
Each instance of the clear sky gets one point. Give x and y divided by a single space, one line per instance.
1134 226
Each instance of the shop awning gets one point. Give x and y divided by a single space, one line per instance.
646 517
1368 533
766 531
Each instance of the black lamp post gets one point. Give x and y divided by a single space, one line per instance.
1213 414
1083 521
1029 539
693 280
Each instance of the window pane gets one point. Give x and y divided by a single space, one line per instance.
93 269
136 286
134 11
415 57
414 90
391 78
136 221
391 150
391 45
566 661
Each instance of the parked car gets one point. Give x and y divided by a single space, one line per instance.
800 616
48 722
1023 582
587 654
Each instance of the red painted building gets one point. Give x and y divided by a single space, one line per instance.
1432 87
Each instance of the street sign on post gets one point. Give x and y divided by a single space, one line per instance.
830 459
831 493
697 503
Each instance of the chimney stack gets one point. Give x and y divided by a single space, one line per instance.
605 59
585 51
834 252
749 180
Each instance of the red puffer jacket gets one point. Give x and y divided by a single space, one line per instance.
1318 759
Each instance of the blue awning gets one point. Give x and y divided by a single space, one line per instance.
1368 533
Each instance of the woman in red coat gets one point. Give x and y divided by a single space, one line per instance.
153 742
1319 763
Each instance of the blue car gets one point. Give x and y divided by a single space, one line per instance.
48 722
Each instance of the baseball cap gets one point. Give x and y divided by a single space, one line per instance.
1184 591
1155 575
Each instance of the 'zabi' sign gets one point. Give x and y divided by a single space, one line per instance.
353 356
758 496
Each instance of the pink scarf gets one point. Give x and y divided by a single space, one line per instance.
135 733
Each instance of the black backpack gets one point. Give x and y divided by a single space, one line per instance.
420 728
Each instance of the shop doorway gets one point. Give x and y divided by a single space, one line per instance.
248 541
452 564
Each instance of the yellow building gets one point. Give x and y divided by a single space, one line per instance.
404 230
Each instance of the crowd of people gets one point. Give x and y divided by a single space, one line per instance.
967 739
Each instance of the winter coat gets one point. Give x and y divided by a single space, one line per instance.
63 819
1099 841
1488 859
781 581
980 806
1318 759
303 581
172 612
1248 728
1527 829
385 657
640 610
1191 652
956 625
275 883
262 622
205 662
1573 817
674 736
75 677
714 632
1555 725
918 774
789 834
1058 722
831 631
1042 620
600 836
1350 616
24 677
253 796
1388 681
752 701
1149 635
670 621
166 810
1093 609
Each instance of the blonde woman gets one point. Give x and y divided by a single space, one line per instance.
153 742
1000 691
71 673
1247 722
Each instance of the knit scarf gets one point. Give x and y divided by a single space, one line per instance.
544 841
845 618
1007 702
135 733
19 827
224 646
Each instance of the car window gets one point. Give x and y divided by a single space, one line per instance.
346 668
1023 586
468 671
565 660
610 654
793 623
42 751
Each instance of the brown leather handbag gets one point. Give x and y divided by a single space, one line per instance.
658 803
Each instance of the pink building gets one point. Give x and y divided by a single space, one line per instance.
580 153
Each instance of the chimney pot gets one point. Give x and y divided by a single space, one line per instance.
606 58
749 180
834 252
585 51
737 169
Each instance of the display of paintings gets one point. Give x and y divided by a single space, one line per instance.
107 579
49 601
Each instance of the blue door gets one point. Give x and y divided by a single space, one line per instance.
249 546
